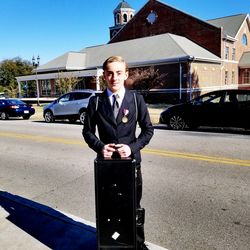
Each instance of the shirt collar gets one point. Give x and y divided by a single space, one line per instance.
121 93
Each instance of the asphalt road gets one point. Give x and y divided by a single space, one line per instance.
196 184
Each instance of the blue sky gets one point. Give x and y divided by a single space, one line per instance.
51 28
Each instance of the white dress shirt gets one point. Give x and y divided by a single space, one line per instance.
119 96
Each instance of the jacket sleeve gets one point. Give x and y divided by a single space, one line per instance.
89 127
147 129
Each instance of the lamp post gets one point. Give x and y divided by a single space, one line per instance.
35 63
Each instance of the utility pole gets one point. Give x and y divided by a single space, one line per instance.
35 63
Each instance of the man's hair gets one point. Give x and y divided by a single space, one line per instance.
112 59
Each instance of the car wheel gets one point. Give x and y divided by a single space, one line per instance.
26 117
4 116
82 116
176 122
48 117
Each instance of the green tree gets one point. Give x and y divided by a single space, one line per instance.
9 69
66 83
1 88
12 90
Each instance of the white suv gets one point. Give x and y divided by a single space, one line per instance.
71 106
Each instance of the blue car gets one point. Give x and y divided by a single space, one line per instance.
15 108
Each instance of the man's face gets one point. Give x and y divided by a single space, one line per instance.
115 75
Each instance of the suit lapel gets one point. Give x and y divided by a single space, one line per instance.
106 109
127 100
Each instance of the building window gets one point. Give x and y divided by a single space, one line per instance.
233 54
125 18
226 77
246 77
244 39
118 19
233 77
46 87
227 53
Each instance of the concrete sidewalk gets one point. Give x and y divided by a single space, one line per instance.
26 224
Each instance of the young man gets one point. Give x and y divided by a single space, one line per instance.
115 113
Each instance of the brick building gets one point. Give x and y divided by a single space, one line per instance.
181 53
226 37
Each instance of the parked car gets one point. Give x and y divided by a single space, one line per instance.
223 108
71 106
15 108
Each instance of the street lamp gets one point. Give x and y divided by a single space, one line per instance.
35 63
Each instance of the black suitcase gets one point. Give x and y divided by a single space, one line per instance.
115 192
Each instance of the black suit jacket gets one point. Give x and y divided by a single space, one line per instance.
111 130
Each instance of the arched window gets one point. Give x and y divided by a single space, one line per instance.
244 39
125 18
118 18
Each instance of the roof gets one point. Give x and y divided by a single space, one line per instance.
245 60
149 50
56 75
67 61
122 5
142 51
230 24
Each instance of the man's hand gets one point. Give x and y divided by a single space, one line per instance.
123 150
108 150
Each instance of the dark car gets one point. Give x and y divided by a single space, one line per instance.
71 106
15 108
222 108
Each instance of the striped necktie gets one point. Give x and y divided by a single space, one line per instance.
115 105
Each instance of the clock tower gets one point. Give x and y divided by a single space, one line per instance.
122 14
